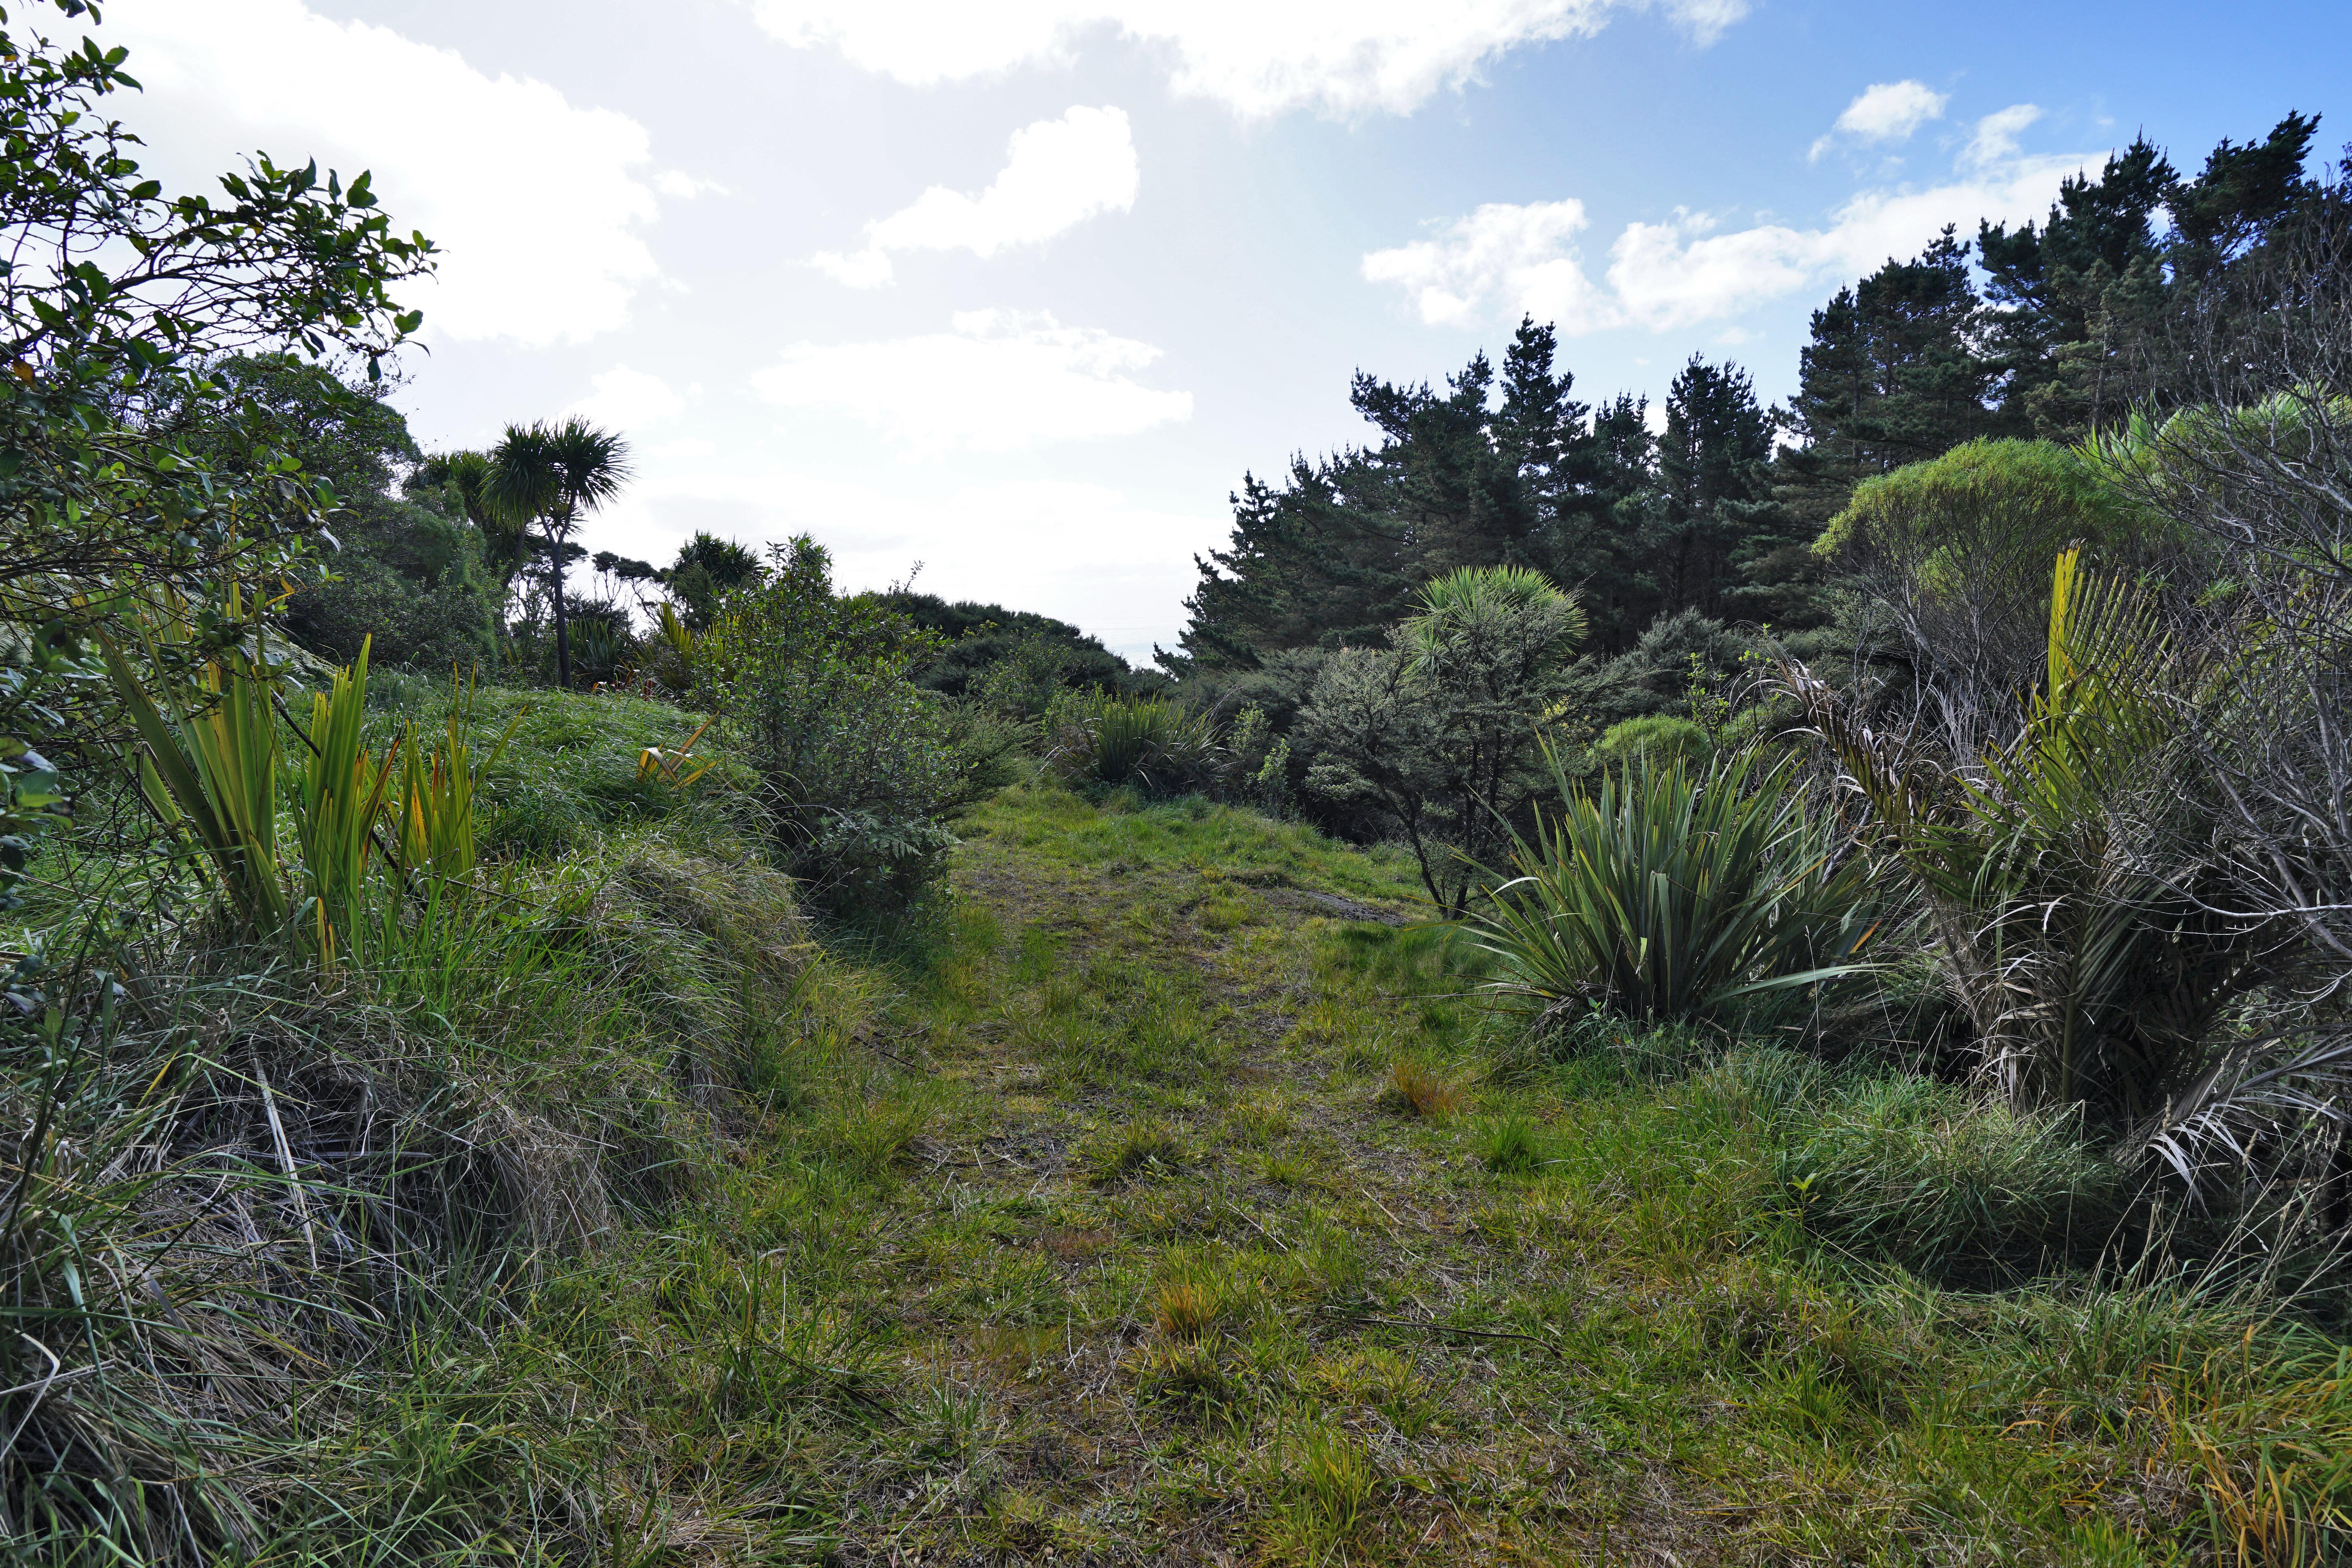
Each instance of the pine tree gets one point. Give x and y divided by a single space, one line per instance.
2078 299
1892 376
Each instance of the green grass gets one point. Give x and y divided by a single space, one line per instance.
1097 1219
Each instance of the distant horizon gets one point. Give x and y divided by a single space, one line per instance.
1022 294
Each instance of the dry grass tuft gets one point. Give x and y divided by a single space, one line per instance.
1187 1309
1420 1089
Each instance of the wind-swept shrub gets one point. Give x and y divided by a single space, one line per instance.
1157 745
1438 735
1665 894
1953 556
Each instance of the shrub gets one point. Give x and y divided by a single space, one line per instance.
855 760
1438 733
1667 894
1151 743
1659 736
2091 977
1955 553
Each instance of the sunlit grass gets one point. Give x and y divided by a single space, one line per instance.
1142 1204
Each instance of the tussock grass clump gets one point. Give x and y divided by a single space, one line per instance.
1935 1177
1150 743
1132 1149
1510 1144
1418 1089
1326 1482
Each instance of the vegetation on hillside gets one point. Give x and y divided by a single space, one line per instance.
1496 1054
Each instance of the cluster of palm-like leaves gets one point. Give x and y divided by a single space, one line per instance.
2097 968
1665 894
209 759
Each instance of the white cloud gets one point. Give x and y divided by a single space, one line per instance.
1346 56
1885 112
538 203
682 187
1057 174
629 400
1503 259
1520 252
1996 138
1000 380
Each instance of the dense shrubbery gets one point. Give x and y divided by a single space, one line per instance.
855 760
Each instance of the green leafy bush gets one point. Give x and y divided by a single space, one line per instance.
1437 737
2090 977
1669 894
855 763
1151 743
1953 556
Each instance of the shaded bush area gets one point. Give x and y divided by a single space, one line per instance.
1013 659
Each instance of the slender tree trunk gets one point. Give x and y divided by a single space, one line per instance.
555 572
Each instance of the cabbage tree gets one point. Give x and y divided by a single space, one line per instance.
556 475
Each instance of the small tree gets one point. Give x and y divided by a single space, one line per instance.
1440 731
556 474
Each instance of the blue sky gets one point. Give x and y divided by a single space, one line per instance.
1019 291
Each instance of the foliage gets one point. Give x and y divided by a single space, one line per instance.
1015 660
1152 743
1257 763
1928 1175
1660 735
814 690
708 567
435 814
117 301
1914 360
1892 376
2254 464
1024 679
409 570
2091 976
1335 553
556 474
342 800
208 762
1438 734
1669 893
1953 557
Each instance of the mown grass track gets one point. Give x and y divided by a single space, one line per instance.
1213 1239
1176 1202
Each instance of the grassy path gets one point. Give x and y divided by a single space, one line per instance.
1182 1226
